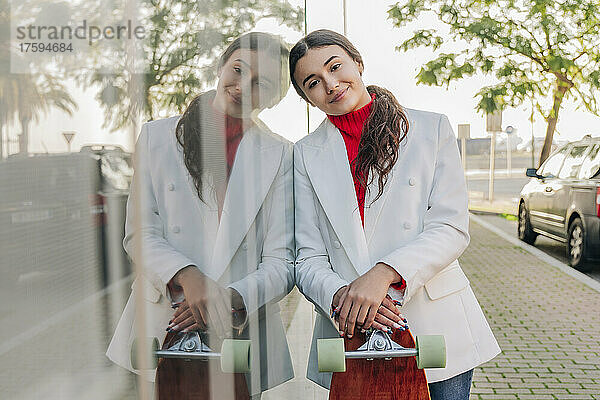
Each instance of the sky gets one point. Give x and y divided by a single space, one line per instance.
375 38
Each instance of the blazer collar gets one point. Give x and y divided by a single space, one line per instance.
328 169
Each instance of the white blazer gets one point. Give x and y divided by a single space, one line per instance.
419 226
250 250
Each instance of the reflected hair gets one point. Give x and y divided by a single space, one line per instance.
385 128
189 126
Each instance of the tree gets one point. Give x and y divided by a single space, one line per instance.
183 41
539 50
26 96
35 96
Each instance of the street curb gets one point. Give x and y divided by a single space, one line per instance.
486 212
581 277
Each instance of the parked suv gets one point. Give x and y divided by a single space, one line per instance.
562 201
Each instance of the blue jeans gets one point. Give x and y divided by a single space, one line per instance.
456 388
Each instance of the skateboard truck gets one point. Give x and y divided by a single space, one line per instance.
234 354
189 346
430 351
380 345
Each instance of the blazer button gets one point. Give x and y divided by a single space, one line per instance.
245 246
407 225
176 229
412 181
171 187
337 244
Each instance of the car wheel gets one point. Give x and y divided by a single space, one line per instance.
525 231
576 245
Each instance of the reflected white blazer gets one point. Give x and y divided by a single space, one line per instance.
419 226
251 249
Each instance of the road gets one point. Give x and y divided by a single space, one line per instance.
507 186
503 187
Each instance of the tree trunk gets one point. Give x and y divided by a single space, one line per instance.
24 136
559 93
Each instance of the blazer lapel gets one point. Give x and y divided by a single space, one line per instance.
253 172
328 169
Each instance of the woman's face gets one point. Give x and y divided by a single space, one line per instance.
331 80
248 80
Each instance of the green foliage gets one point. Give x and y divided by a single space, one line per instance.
26 97
184 39
532 47
509 217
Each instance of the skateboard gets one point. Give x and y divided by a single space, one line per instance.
375 365
187 368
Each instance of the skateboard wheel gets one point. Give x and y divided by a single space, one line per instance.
330 355
431 351
148 345
235 355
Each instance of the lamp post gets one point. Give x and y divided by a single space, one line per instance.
509 131
464 133
532 138
345 18
493 125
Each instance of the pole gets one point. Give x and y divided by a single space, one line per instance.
532 138
463 152
306 33
509 156
345 23
492 166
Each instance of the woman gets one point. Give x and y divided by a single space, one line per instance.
210 216
380 201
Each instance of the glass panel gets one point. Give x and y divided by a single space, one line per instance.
148 185
105 197
572 163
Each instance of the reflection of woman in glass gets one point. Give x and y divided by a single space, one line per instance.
210 215
381 210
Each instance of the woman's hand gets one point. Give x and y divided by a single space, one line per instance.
388 316
361 303
206 303
183 319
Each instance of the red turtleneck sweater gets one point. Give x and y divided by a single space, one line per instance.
351 126
234 131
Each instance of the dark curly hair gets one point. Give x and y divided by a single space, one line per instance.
192 124
386 126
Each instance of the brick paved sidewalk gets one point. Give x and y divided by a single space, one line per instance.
547 324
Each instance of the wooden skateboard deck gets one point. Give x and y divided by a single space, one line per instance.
379 379
180 379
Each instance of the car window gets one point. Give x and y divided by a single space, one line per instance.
572 163
591 164
553 163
